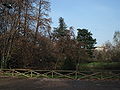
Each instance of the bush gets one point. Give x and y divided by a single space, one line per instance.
100 66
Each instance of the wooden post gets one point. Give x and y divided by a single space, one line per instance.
52 74
76 75
101 76
13 73
31 73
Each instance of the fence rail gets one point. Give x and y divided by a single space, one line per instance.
98 75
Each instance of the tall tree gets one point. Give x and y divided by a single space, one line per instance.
85 37
58 38
116 49
43 20
65 45
18 20
116 37
61 31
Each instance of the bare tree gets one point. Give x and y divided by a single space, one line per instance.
43 20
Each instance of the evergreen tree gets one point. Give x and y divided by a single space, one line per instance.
61 30
85 37
116 37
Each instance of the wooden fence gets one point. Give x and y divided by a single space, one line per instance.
97 75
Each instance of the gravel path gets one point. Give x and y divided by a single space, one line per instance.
56 84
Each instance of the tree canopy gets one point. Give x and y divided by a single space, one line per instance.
28 40
85 37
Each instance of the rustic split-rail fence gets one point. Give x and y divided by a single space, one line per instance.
68 74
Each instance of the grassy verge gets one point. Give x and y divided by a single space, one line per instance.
100 66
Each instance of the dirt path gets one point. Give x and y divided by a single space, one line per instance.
56 84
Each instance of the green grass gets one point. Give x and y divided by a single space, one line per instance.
100 66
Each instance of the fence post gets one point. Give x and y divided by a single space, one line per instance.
76 75
13 72
52 73
101 76
31 73
1 71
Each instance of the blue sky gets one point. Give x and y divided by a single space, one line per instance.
101 17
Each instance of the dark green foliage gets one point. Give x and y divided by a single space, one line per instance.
116 37
85 37
100 66
61 31
69 65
